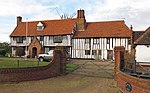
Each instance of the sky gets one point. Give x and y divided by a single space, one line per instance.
133 12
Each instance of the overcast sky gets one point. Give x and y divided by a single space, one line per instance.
133 12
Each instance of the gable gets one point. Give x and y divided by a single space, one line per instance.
35 43
137 34
144 39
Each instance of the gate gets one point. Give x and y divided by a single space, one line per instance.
93 68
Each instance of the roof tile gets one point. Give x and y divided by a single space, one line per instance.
52 27
105 29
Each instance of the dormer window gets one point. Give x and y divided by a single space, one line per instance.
40 26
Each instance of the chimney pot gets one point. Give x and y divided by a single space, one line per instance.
80 14
131 27
19 20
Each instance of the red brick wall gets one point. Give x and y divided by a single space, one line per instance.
139 85
35 73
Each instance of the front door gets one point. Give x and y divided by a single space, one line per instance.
34 52
109 54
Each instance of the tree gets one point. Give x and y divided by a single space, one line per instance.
20 51
4 48
2 52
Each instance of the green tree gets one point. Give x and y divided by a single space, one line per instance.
4 48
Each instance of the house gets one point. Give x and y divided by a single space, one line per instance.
98 39
42 36
82 39
142 47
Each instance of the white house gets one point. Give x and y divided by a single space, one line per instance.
48 34
98 39
82 39
142 47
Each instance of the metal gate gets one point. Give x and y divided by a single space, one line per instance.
93 68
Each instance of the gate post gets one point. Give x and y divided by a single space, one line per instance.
119 59
63 59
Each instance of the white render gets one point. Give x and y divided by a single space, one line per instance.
142 53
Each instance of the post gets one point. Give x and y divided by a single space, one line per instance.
63 59
18 63
26 40
119 59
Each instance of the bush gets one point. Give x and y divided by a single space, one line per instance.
2 52
20 51
129 59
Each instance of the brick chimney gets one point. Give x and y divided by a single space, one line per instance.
81 21
19 20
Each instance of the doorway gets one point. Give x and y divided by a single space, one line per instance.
34 52
110 54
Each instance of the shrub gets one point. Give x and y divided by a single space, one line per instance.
2 52
20 51
129 59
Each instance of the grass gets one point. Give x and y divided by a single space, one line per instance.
71 67
8 63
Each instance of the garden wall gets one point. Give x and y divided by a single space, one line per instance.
55 68
127 83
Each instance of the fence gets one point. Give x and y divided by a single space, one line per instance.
19 63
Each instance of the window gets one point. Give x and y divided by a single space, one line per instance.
129 41
99 52
41 38
87 41
108 40
19 39
57 39
96 41
40 26
87 52
94 52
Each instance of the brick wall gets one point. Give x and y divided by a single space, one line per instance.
55 68
124 80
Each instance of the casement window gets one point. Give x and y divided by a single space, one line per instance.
57 39
40 26
41 38
108 40
99 52
129 41
87 41
87 52
19 39
94 52
96 41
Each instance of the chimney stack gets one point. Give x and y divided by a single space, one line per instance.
131 27
19 20
81 21
80 14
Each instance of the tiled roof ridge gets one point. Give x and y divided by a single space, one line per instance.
49 20
122 21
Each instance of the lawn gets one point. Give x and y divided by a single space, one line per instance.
71 67
15 63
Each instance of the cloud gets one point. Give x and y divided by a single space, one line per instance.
134 12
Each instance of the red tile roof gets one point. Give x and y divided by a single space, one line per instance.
52 27
105 29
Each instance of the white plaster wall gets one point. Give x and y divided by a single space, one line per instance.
142 53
